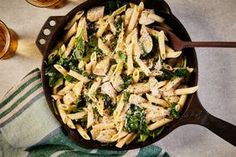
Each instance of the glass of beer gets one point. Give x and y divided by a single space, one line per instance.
47 3
8 41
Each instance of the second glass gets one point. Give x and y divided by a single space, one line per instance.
47 3
8 41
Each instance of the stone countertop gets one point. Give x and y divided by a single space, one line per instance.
203 19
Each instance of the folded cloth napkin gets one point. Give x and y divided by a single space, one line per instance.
28 128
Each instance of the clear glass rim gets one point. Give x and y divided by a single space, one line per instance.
8 38
49 4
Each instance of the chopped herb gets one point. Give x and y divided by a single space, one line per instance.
128 79
135 121
108 103
89 84
53 75
82 122
143 77
126 96
70 78
81 103
166 75
91 29
142 137
173 112
92 76
93 41
87 98
92 46
99 52
136 64
111 6
122 56
183 72
119 24
113 61
79 50
156 132
114 42
53 58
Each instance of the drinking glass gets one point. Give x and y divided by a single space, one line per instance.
8 41
47 3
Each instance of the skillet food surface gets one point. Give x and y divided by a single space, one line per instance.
113 78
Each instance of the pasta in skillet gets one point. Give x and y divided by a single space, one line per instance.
114 78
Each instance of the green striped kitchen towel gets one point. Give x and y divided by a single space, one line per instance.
28 128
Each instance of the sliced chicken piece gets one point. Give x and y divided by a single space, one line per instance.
144 19
139 88
157 114
108 89
136 99
102 67
117 81
106 135
95 14
69 98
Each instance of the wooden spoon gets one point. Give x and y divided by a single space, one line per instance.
178 44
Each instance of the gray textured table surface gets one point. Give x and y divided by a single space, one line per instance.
204 20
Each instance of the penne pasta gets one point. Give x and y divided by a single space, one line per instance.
158 101
69 47
77 16
71 32
118 109
161 41
62 70
102 28
82 132
131 138
136 75
143 67
156 18
133 19
78 76
159 123
129 51
77 89
103 126
119 10
172 84
90 117
181 102
66 89
183 91
70 124
170 53
124 140
103 47
76 116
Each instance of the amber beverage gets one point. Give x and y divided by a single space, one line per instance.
8 41
47 3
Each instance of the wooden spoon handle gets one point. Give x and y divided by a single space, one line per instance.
208 44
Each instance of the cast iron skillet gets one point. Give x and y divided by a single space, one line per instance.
193 112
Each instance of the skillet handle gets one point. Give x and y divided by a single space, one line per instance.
47 33
196 114
221 128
